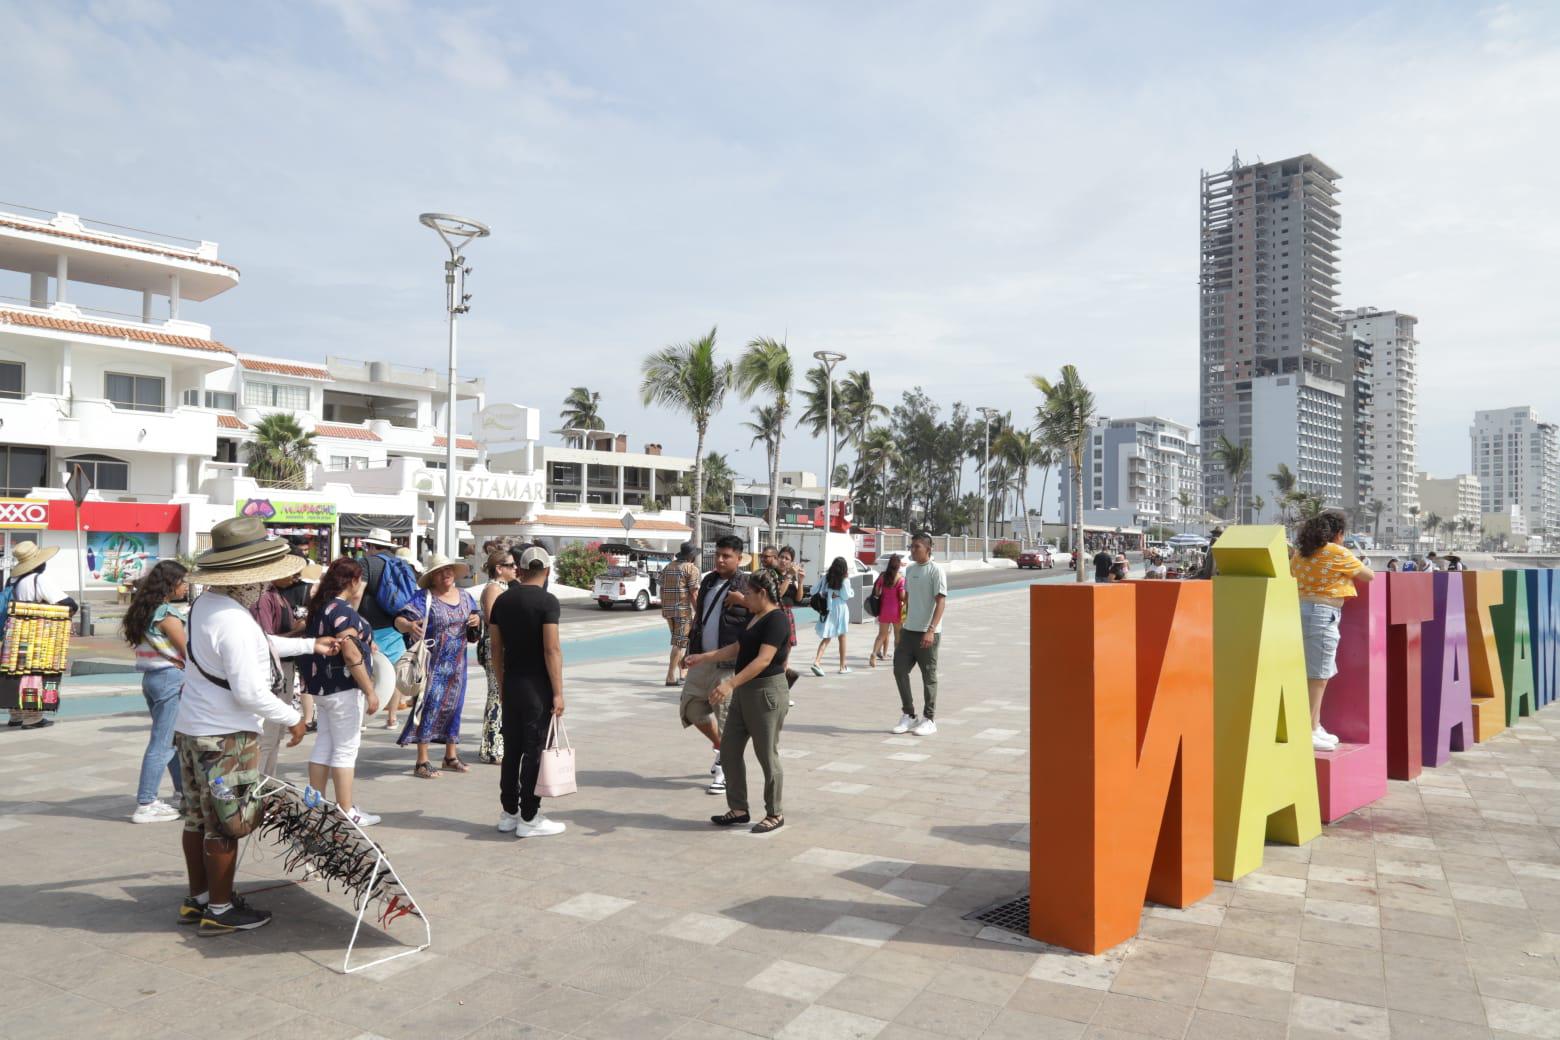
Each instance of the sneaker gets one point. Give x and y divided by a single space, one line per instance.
191 911
1321 740
924 728
906 724
817 671
507 821
714 769
240 917
845 670
154 812
539 827
361 818
717 785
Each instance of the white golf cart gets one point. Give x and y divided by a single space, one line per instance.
632 576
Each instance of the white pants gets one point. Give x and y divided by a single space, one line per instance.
271 735
340 719
383 674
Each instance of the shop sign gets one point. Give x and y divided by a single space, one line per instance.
484 487
23 513
321 514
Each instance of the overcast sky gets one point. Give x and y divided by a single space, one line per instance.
954 195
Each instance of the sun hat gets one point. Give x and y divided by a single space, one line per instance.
435 562
378 536
29 557
403 553
243 553
311 573
534 559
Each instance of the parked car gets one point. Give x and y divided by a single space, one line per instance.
637 582
1038 557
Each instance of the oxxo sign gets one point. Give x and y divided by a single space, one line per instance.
23 513
1176 729
485 487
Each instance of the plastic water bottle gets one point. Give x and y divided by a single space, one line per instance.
220 790
311 797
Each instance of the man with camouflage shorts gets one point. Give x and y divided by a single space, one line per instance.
231 688
679 582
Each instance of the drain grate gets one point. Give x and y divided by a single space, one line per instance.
1011 916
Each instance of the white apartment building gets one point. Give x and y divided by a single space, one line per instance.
1456 501
1298 420
1517 460
1137 470
1394 423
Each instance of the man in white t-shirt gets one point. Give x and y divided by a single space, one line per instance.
926 585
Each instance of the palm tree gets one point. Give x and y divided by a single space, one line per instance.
718 480
1018 450
581 412
1432 525
1064 420
1257 502
1045 459
1376 510
1183 499
879 457
281 452
815 396
765 428
765 367
1221 505
1284 481
688 378
859 407
1236 461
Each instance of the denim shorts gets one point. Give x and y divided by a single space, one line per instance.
1319 631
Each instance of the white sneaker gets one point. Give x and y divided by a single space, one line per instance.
1321 736
154 812
717 785
924 728
817 671
361 818
540 827
845 671
906 724
507 821
714 769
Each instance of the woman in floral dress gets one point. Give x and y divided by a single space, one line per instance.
454 622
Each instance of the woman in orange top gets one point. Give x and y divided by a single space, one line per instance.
1326 573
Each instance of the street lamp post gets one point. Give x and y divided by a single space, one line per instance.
830 358
456 233
985 485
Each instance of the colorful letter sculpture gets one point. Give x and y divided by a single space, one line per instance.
1355 708
1446 697
1410 603
1122 771
1482 592
1542 622
1264 772
1515 645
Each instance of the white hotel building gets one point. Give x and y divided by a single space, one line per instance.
158 412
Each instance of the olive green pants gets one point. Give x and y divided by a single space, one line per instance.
757 712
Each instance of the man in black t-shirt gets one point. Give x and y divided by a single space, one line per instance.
527 662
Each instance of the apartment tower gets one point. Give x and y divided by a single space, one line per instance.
1272 351
1394 383
1517 460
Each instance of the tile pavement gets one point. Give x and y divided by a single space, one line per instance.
1434 914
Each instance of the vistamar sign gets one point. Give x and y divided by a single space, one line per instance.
485 487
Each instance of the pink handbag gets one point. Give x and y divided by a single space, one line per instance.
555 778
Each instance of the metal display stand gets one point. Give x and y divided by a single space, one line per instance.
403 901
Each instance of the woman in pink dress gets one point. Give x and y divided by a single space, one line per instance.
890 587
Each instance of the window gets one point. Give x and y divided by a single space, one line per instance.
275 395
135 393
227 450
107 473
348 462
22 469
221 400
13 379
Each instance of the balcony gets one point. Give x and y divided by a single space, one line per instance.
93 424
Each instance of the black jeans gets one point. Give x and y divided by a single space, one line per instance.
526 713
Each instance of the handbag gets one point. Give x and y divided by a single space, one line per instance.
411 671
555 774
874 602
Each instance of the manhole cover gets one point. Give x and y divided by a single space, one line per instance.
1011 916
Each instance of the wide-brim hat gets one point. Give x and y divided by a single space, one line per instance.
435 562
379 536
243 552
403 553
29 557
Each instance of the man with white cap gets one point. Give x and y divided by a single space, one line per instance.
232 683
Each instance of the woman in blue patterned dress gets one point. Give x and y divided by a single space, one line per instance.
455 622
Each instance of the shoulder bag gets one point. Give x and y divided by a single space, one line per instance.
555 771
874 602
411 671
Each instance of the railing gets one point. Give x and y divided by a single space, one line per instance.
102 227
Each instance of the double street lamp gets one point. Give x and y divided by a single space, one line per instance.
988 414
456 232
830 358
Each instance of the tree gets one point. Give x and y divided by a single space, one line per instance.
859 408
281 452
1183 499
1064 419
1284 482
1376 510
1019 449
766 368
1235 459
1257 503
581 412
1413 516
815 403
765 428
1432 525
1221 504
688 378
879 457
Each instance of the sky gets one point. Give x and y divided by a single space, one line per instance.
954 196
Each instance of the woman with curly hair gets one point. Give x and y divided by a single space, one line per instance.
1326 573
154 626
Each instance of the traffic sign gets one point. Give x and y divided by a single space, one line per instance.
79 484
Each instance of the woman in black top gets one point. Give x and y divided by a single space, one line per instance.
759 702
342 685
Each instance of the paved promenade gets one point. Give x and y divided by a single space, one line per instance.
1433 914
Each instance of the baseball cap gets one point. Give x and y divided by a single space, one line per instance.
535 559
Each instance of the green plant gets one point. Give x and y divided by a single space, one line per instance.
580 564
766 368
1005 550
689 378
281 452
1064 419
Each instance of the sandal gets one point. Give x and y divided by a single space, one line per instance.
455 765
767 824
730 818
424 771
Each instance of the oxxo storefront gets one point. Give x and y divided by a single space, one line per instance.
120 541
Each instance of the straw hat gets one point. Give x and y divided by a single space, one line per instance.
378 536
403 553
243 553
433 563
311 573
29 557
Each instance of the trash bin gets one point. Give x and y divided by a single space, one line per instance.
861 585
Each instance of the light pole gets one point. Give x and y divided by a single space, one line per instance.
988 414
830 358
456 233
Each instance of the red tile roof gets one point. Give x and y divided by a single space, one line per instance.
230 422
582 521
102 240
92 328
346 433
284 368
441 441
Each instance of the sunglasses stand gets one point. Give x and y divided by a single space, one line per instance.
324 843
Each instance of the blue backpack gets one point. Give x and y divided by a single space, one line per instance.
397 585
